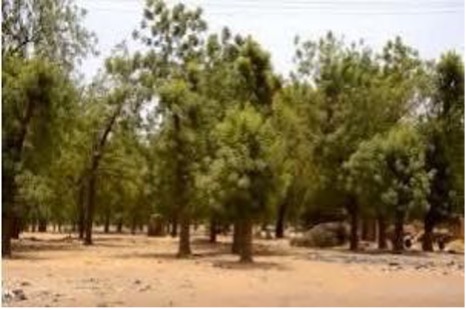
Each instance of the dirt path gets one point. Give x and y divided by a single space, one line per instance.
124 270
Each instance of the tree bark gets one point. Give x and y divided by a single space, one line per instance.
365 229
81 210
16 229
246 242
174 227
382 233
107 223
42 225
353 210
236 245
119 226
6 233
184 249
280 225
89 215
213 230
398 236
427 239
97 150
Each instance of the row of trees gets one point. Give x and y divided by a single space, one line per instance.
198 127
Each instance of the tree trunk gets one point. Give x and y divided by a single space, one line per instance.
133 226
107 223
372 227
174 227
119 226
81 211
213 230
89 215
427 239
13 145
365 229
246 241
352 208
16 227
33 225
184 249
382 233
280 225
6 233
236 245
42 225
398 236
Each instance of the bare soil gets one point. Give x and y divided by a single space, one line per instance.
135 270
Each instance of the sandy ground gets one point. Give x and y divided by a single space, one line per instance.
125 270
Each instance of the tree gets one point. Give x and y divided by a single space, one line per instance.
444 128
241 174
33 92
48 29
388 174
354 85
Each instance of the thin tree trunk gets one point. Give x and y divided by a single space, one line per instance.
89 217
398 236
107 223
280 225
236 245
81 210
33 225
365 229
174 227
133 226
184 249
120 226
246 241
352 207
213 230
382 233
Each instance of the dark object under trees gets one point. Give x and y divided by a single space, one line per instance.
280 224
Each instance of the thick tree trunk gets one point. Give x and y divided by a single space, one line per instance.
213 230
398 236
6 233
280 224
236 245
246 241
353 210
42 225
427 239
382 233
16 229
184 249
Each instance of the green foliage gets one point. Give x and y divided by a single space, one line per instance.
388 172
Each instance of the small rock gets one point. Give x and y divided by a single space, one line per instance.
145 288
137 282
25 283
393 264
19 294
